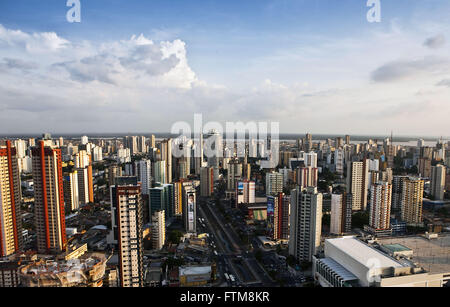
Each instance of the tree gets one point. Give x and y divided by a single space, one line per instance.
175 236
359 219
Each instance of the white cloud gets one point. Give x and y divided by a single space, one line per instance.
49 83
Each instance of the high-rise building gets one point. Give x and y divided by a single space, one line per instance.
424 167
84 140
71 196
160 172
143 171
274 183
310 159
438 182
357 183
380 206
305 223
341 213
307 177
10 200
234 173
281 207
162 199
113 172
127 230
206 181
412 201
245 192
49 212
166 155
158 230
397 193
152 141
190 210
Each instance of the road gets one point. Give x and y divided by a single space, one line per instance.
233 257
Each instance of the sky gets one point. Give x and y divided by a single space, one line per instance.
314 66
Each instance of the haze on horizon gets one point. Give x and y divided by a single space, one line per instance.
316 67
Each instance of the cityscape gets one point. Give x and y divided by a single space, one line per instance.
247 168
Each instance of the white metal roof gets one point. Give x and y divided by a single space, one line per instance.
195 270
364 254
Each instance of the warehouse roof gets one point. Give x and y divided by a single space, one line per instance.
364 254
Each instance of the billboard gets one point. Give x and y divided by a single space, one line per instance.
191 203
270 205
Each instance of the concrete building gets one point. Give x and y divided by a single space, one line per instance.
127 230
281 213
349 262
71 196
380 206
438 173
397 192
245 192
357 184
49 211
10 201
143 170
206 181
341 213
305 223
307 177
274 183
412 201
158 230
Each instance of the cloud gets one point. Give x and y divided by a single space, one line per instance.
404 70
10 63
435 42
445 82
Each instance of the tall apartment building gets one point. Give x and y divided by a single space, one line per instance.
234 173
274 183
206 181
438 182
397 193
160 170
281 216
412 201
10 200
162 199
158 230
424 167
143 171
245 192
380 206
357 183
48 198
127 230
307 177
166 155
114 171
341 213
305 223
71 196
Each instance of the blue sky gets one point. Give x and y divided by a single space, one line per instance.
266 59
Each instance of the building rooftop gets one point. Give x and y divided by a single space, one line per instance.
432 255
396 248
345 274
363 253
195 270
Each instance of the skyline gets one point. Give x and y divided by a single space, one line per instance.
321 66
